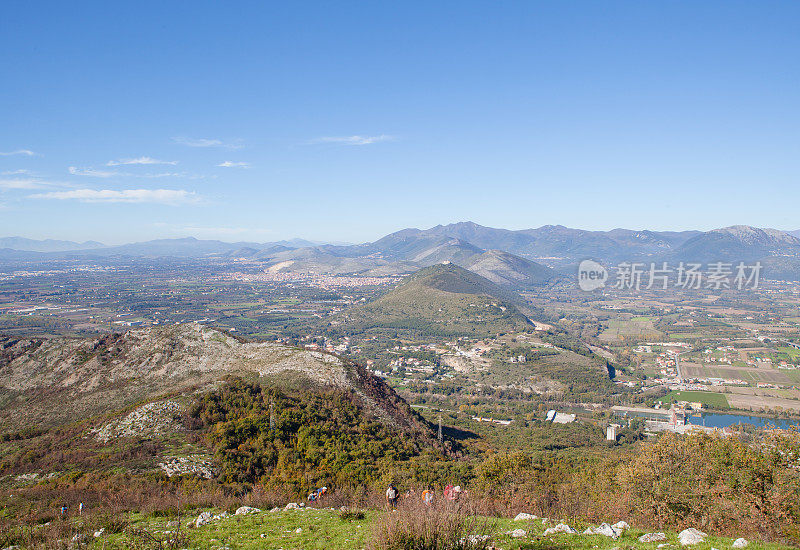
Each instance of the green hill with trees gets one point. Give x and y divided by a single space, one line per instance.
441 300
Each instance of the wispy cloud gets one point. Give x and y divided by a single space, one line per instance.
159 196
140 160
15 172
25 152
353 140
169 175
231 164
22 183
92 172
203 142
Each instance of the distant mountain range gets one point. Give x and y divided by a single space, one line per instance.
183 247
47 245
518 259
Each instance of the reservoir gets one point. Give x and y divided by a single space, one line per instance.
717 420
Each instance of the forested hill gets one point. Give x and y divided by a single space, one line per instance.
444 300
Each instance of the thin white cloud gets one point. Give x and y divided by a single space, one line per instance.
159 196
169 175
15 172
25 152
140 160
231 164
91 172
202 142
353 140
22 183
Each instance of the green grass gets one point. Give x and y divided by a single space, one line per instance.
324 529
710 399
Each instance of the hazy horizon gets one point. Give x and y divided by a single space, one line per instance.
337 242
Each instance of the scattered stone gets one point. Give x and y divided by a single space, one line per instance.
15 547
292 506
78 537
198 465
203 519
172 524
740 543
27 477
247 510
518 533
151 419
663 545
621 526
652 537
691 536
298 530
525 517
604 529
560 528
100 532
276 509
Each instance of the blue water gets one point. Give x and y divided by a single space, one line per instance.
716 420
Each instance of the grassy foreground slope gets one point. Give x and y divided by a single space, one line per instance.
328 529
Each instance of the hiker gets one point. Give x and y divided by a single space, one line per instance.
80 509
427 496
448 493
63 511
317 494
392 494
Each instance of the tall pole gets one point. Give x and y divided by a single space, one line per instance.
271 415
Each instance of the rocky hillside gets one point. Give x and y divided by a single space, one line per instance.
55 381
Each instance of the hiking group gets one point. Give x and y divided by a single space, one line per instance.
451 493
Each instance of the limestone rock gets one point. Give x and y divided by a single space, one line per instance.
246 510
652 537
522 516
518 533
560 528
740 543
691 536
605 530
203 519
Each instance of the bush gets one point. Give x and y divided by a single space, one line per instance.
352 515
719 483
442 526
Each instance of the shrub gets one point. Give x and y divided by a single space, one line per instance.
352 515
442 526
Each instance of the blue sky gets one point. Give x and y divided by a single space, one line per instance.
346 121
